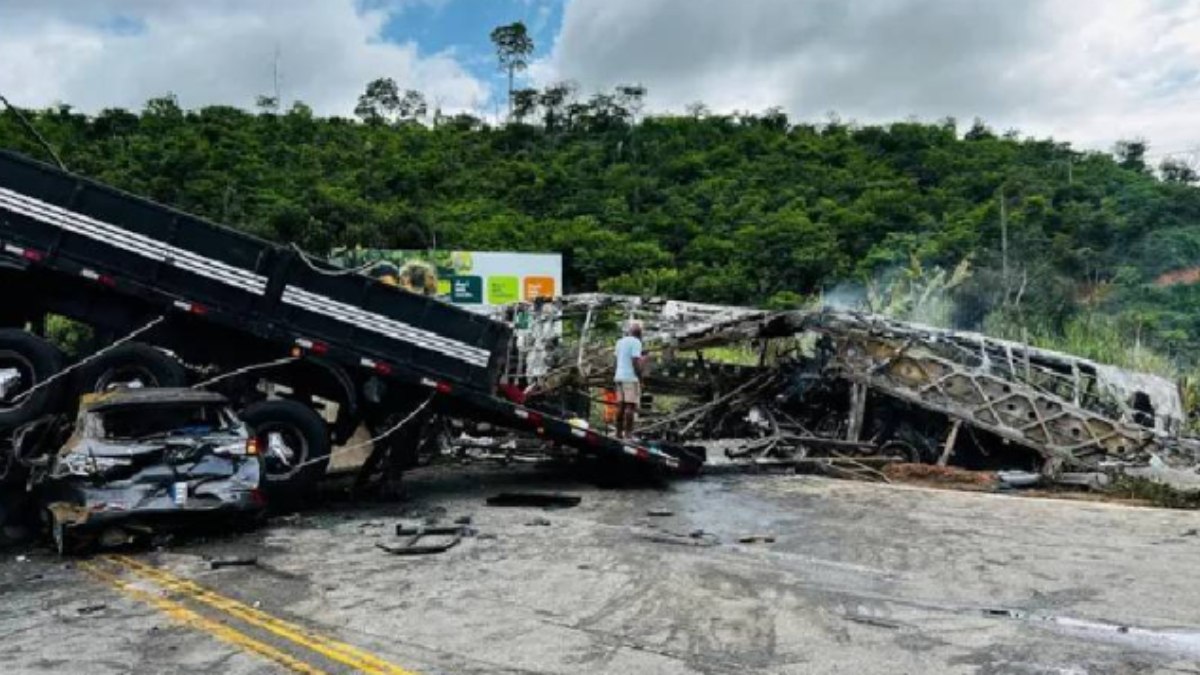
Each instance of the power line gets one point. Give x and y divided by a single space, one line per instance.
30 128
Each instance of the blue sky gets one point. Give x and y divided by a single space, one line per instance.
462 27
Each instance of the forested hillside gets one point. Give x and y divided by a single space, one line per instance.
751 209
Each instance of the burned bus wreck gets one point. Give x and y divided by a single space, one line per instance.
848 389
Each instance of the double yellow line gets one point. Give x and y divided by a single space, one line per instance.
228 608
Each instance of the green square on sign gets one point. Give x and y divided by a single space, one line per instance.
503 290
466 290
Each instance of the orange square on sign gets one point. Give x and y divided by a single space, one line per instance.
539 287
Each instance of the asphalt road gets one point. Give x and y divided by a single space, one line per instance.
859 579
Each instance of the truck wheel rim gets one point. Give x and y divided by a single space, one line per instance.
285 450
16 376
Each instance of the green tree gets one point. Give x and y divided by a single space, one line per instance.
380 102
412 106
1131 154
1177 171
514 46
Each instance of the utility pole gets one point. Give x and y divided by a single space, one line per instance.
275 78
1003 243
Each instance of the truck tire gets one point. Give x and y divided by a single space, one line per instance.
294 444
31 360
130 363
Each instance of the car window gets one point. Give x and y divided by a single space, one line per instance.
138 422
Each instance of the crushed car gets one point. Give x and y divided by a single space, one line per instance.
144 462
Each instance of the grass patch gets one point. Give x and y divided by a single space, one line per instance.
1154 493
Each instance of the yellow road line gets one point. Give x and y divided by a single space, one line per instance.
338 651
190 618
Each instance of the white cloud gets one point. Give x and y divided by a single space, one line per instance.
1087 71
103 53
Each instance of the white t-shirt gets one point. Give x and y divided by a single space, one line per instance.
628 349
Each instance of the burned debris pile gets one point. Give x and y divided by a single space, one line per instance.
850 393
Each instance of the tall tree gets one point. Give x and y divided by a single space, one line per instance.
412 106
632 97
379 102
513 48
1177 171
267 104
1131 154
554 100
524 103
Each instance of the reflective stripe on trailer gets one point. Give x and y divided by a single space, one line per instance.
386 326
118 237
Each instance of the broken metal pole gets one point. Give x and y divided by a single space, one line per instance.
858 409
948 447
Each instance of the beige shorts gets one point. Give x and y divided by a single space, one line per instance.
629 392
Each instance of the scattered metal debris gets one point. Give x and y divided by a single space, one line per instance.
534 499
757 539
248 561
413 545
872 621
1018 479
697 538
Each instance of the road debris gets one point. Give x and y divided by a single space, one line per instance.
1018 479
931 474
696 538
872 621
413 545
535 500
247 561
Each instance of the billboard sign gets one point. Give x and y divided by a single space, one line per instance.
470 278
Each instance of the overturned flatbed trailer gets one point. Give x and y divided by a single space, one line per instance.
235 308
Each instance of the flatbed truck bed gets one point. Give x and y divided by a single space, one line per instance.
225 300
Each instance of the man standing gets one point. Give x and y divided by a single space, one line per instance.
629 368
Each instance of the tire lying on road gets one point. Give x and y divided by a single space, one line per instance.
131 364
27 360
294 443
